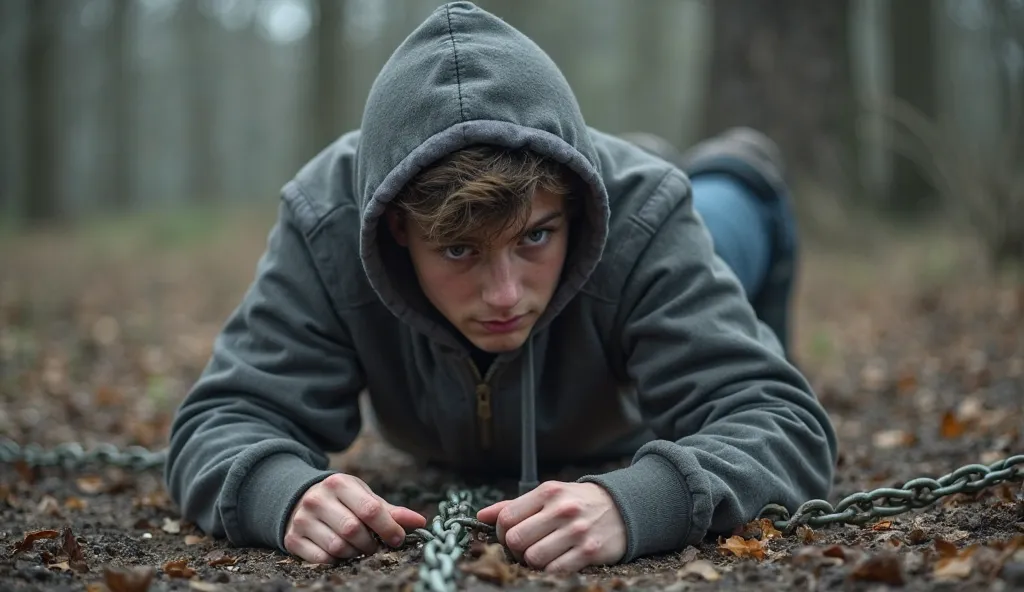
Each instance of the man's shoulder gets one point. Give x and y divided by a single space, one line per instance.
324 188
643 191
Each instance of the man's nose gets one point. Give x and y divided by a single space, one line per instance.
502 290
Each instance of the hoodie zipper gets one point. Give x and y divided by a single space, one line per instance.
484 411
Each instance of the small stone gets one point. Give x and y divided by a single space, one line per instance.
147 535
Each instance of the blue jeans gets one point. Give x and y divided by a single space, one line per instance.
755 235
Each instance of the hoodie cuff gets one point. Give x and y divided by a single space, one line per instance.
654 503
268 495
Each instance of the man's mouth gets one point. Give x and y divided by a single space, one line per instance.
503 326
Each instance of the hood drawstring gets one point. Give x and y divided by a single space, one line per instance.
528 458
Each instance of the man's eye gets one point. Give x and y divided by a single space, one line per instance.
457 252
537 236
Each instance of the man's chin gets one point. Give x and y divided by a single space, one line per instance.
497 343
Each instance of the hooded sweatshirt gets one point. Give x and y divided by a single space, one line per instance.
647 349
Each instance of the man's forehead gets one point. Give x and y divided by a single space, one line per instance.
540 214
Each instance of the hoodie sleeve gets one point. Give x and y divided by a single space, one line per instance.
280 388
737 425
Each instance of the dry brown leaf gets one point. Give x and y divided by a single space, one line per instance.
107 396
27 473
96 587
951 427
48 506
191 539
75 503
882 525
62 566
31 537
491 566
71 548
178 569
171 526
90 484
220 557
884 567
136 579
945 548
953 568
741 547
888 439
917 536
701 568
814 556
806 534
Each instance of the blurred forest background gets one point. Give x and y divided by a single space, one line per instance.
910 109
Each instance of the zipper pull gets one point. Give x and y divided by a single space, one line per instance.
483 413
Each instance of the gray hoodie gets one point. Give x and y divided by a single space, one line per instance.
648 347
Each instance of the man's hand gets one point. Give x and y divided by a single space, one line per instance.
560 527
333 520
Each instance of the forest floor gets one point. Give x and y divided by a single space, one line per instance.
915 350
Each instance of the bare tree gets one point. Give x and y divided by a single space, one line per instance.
784 67
327 113
119 105
42 200
912 39
201 96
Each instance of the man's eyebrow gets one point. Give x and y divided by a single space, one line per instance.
546 219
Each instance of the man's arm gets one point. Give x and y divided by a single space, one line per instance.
738 426
280 389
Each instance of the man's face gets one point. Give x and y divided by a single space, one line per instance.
493 292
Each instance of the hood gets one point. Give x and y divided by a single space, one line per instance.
466 77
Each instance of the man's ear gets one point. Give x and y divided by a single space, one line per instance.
396 224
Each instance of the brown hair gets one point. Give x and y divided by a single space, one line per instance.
480 190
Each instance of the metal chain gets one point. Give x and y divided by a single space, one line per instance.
862 507
73 456
449 533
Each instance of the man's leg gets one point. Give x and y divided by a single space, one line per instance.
739 191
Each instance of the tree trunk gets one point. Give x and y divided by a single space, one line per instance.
202 93
42 200
784 68
120 106
911 32
327 109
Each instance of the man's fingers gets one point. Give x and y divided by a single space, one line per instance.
374 512
326 539
407 518
490 513
307 550
571 562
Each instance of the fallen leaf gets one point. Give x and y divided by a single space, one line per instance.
884 567
888 439
812 555
48 506
951 427
741 547
27 473
701 568
95 587
491 566
171 526
220 557
917 536
136 579
953 568
806 534
90 484
883 525
285 561
75 503
62 566
178 569
191 539
32 537
945 548
71 548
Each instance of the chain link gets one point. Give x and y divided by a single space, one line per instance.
72 455
449 533
453 527
862 507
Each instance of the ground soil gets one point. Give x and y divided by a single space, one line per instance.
916 351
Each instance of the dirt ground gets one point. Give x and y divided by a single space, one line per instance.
916 351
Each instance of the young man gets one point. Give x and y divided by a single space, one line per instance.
474 239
